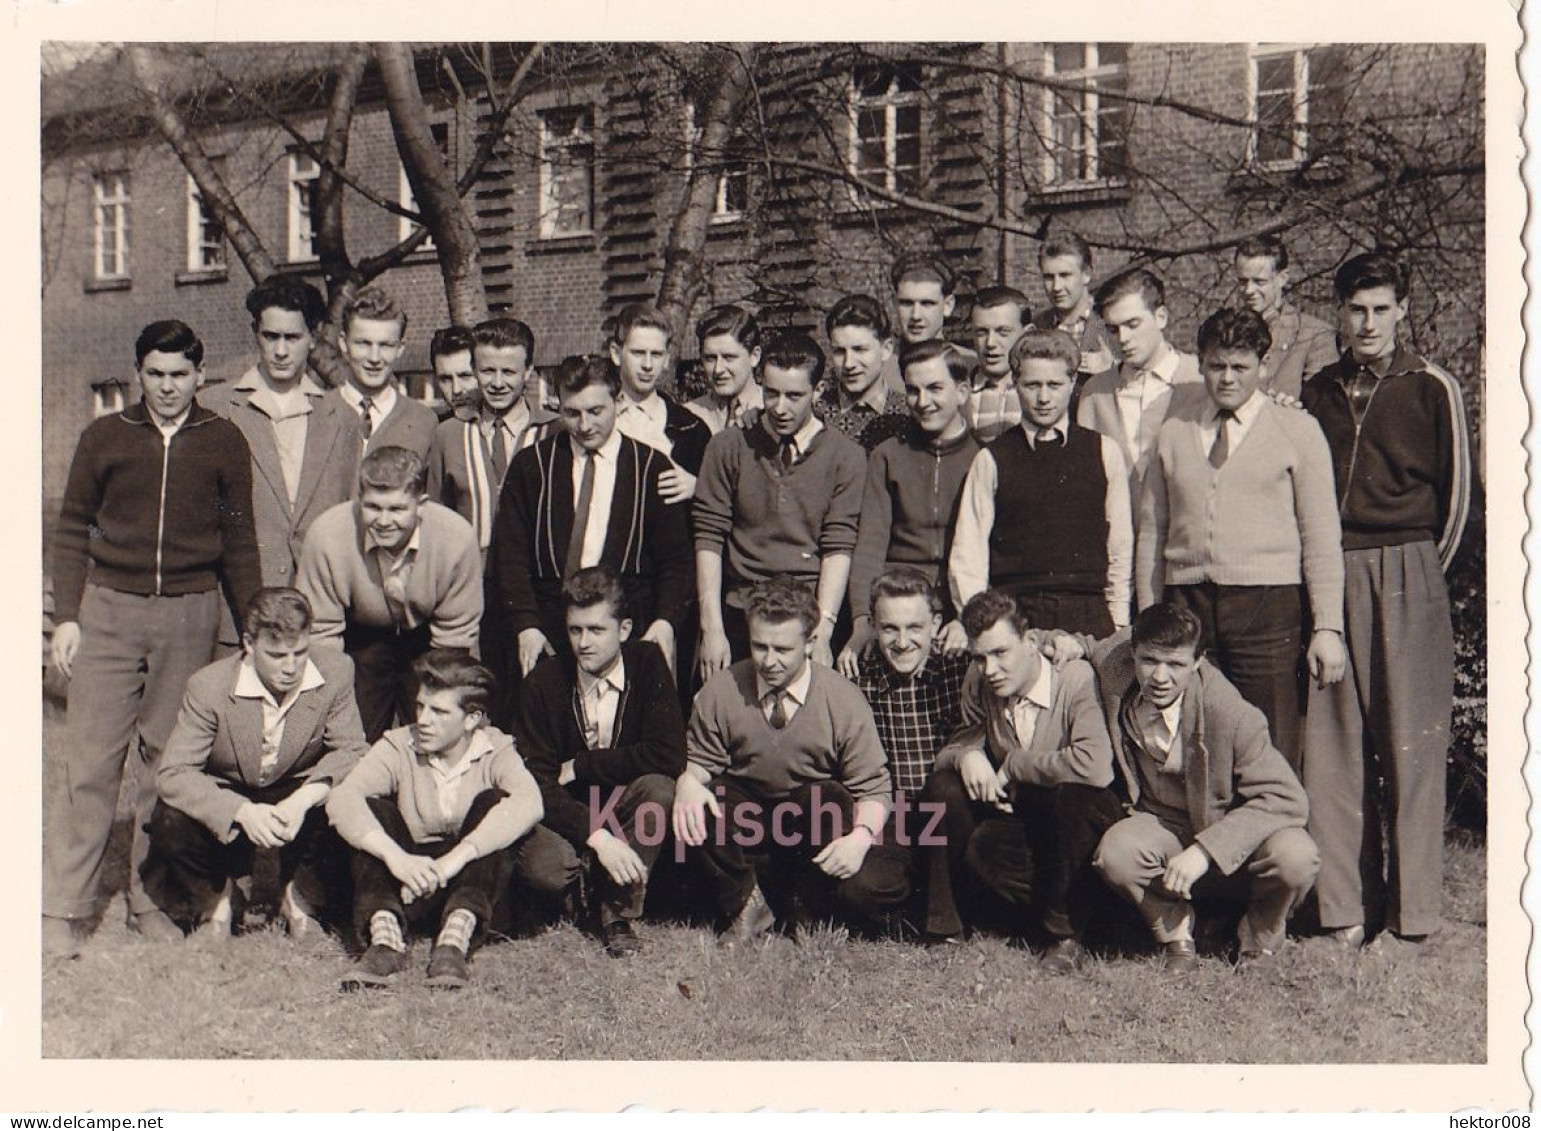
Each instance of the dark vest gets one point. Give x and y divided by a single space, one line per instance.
1051 527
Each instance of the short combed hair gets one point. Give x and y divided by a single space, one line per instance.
599 584
1235 330
392 469
923 265
455 669
640 316
1265 247
989 298
792 350
278 610
959 366
285 292
1368 271
579 371
900 582
168 336
861 311
448 341
1166 626
1136 282
1066 243
782 599
376 305
734 321
505 333
1046 345
987 609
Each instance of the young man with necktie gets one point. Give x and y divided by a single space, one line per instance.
374 331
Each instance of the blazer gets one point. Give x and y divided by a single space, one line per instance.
1302 347
410 424
1098 410
460 473
1239 789
212 763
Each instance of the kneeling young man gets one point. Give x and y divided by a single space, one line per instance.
434 812
604 735
784 754
1024 782
1217 809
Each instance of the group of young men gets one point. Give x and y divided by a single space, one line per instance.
897 631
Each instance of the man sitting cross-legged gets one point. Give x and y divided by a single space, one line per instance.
784 755
603 734
438 814
260 740
1025 783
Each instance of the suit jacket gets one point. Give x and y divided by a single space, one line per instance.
460 473
212 764
1302 347
1239 789
410 424
1098 410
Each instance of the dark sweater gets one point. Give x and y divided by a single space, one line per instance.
1404 471
1051 532
688 433
148 517
649 734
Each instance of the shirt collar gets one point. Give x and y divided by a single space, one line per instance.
608 451
875 398
1060 429
479 747
516 419
804 435
251 381
1246 413
413 543
655 408
1165 365
167 427
384 399
249 685
615 677
797 690
1041 693
1077 313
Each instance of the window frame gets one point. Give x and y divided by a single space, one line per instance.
1300 94
197 244
404 194
301 208
1089 74
892 100
118 202
546 216
723 211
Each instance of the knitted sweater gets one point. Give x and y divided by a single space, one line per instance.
344 587
832 737
1267 517
152 516
774 521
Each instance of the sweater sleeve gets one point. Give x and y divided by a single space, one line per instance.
513 535
1084 753
1453 444
872 537
375 775
1118 509
658 746
706 743
713 506
842 518
970 734
1321 535
439 487
513 816
457 613
239 559
72 539
320 577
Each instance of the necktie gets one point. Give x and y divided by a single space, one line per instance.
580 518
393 581
499 449
778 715
788 453
367 419
1220 450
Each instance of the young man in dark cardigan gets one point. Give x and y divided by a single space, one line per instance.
603 733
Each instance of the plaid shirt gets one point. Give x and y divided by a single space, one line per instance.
861 422
915 716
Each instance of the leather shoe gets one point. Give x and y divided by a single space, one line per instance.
376 968
156 926
448 968
753 920
1063 956
621 939
1180 956
1256 961
59 938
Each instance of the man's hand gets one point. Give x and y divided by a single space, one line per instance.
842 857
1326 658
980 780
1284 400
1061 647
676 485
661 633
1184 870
532 646
861 640
450 865
568 773
714 653
620 860
262 825
822 653
291 814
419 878
691 801
64 645
953 638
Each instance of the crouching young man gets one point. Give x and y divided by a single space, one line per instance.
785 756
605 738
1216 811
434 812
1025 783
260 739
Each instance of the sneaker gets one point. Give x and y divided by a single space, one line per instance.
448 968
1180 956
753 920
299 916
621 939
60 939
378 965
1063 956
156 926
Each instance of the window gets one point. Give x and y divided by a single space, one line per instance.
1291 87
732 182
107 399
567 172
205 238
884 144
407 227
109 200
1085 130
304 179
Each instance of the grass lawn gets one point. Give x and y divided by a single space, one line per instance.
557 995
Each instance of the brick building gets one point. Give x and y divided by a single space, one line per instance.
1161 153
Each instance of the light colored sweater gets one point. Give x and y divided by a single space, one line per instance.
1269 516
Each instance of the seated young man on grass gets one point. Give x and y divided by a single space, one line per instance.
1216 809
436 814
784 755
602 731
261 738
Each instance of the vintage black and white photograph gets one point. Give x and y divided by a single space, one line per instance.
681 549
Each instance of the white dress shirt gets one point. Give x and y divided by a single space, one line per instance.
644 422
793 695
601 697
249 685
1239 426
1136 394
604 492
449 780
1025 708
380 403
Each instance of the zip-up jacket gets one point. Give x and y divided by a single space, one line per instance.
150 515
1403 463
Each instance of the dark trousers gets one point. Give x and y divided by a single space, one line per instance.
791 831
1059 608
1252 633
187 867
644 829
477 888
382 674
1042 849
